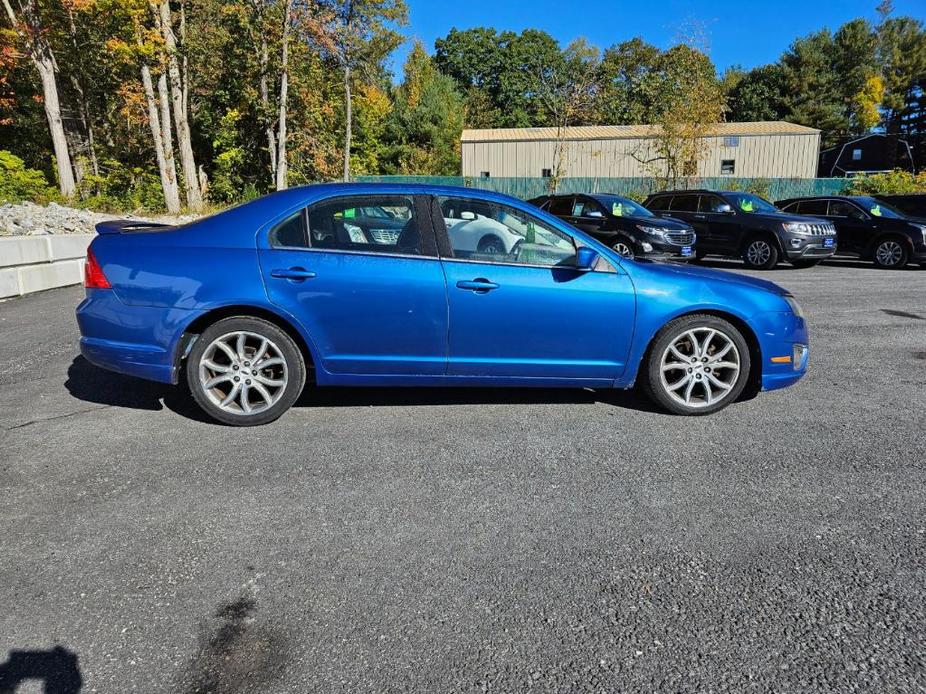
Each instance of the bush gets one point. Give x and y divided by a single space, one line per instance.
17 183
121 189
894 182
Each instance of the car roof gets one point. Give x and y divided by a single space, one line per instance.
697 191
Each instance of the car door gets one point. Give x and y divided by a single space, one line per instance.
368 287
685 207
531 314
854 229
719 222
588 215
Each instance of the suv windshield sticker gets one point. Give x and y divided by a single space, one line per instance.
617 209
746 205
876 210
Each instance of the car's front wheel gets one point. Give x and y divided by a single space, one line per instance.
624 248
245 371
760 253
696 365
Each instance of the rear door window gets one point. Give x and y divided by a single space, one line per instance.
684 203
812 207
561 207
372 224
660 203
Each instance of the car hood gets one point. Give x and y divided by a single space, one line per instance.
668 270
659 222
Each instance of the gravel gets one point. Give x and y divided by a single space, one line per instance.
29 219
473 540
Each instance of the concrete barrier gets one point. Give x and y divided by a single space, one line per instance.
35 263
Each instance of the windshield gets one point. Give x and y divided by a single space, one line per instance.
876 208
622 207
747 202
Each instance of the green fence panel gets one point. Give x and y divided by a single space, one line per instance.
527 188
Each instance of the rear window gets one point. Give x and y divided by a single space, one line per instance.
685 203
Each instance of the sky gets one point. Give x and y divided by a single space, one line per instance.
744 32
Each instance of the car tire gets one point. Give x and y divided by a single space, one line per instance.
624 248
217 371
676 383
760 253
802 264
491 245
891 254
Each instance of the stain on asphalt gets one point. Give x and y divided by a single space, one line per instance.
238 652
902 314
920 355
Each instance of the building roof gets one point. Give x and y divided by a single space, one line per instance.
619 132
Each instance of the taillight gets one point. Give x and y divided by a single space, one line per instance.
93 273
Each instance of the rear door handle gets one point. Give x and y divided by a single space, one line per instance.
297 274
478 285
700 216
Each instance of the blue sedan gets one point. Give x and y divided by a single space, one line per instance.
402 285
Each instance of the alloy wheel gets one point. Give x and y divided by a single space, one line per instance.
758 252
889 253
624 249
700 367
243 373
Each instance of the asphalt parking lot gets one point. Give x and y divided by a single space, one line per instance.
472 540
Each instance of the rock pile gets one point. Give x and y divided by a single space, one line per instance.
27 218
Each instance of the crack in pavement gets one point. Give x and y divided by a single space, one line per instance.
59 416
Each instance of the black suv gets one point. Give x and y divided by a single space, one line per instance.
731 223
627 227
868 228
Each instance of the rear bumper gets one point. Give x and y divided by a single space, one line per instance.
137 341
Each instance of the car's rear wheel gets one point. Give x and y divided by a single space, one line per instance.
760 253
245 371
696 365
624 248
801 264
891 254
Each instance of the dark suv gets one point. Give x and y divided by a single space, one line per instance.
627 227
868 228
731 223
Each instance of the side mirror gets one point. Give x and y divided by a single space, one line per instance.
586 258
724 208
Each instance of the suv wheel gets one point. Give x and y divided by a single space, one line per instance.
891 254
624 248
491 245
760 253
697 365
245 371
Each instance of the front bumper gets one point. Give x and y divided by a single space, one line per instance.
799 246
784 346
666 251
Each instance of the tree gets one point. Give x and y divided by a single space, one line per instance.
358 34
691 103
179 91
567 89
902 58
758 95
423 130
30 26
630 83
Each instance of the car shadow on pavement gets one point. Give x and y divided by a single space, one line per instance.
57 669
92 384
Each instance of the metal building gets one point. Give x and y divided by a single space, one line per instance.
768 149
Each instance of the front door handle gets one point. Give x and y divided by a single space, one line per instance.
700 216
296 274
478 285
